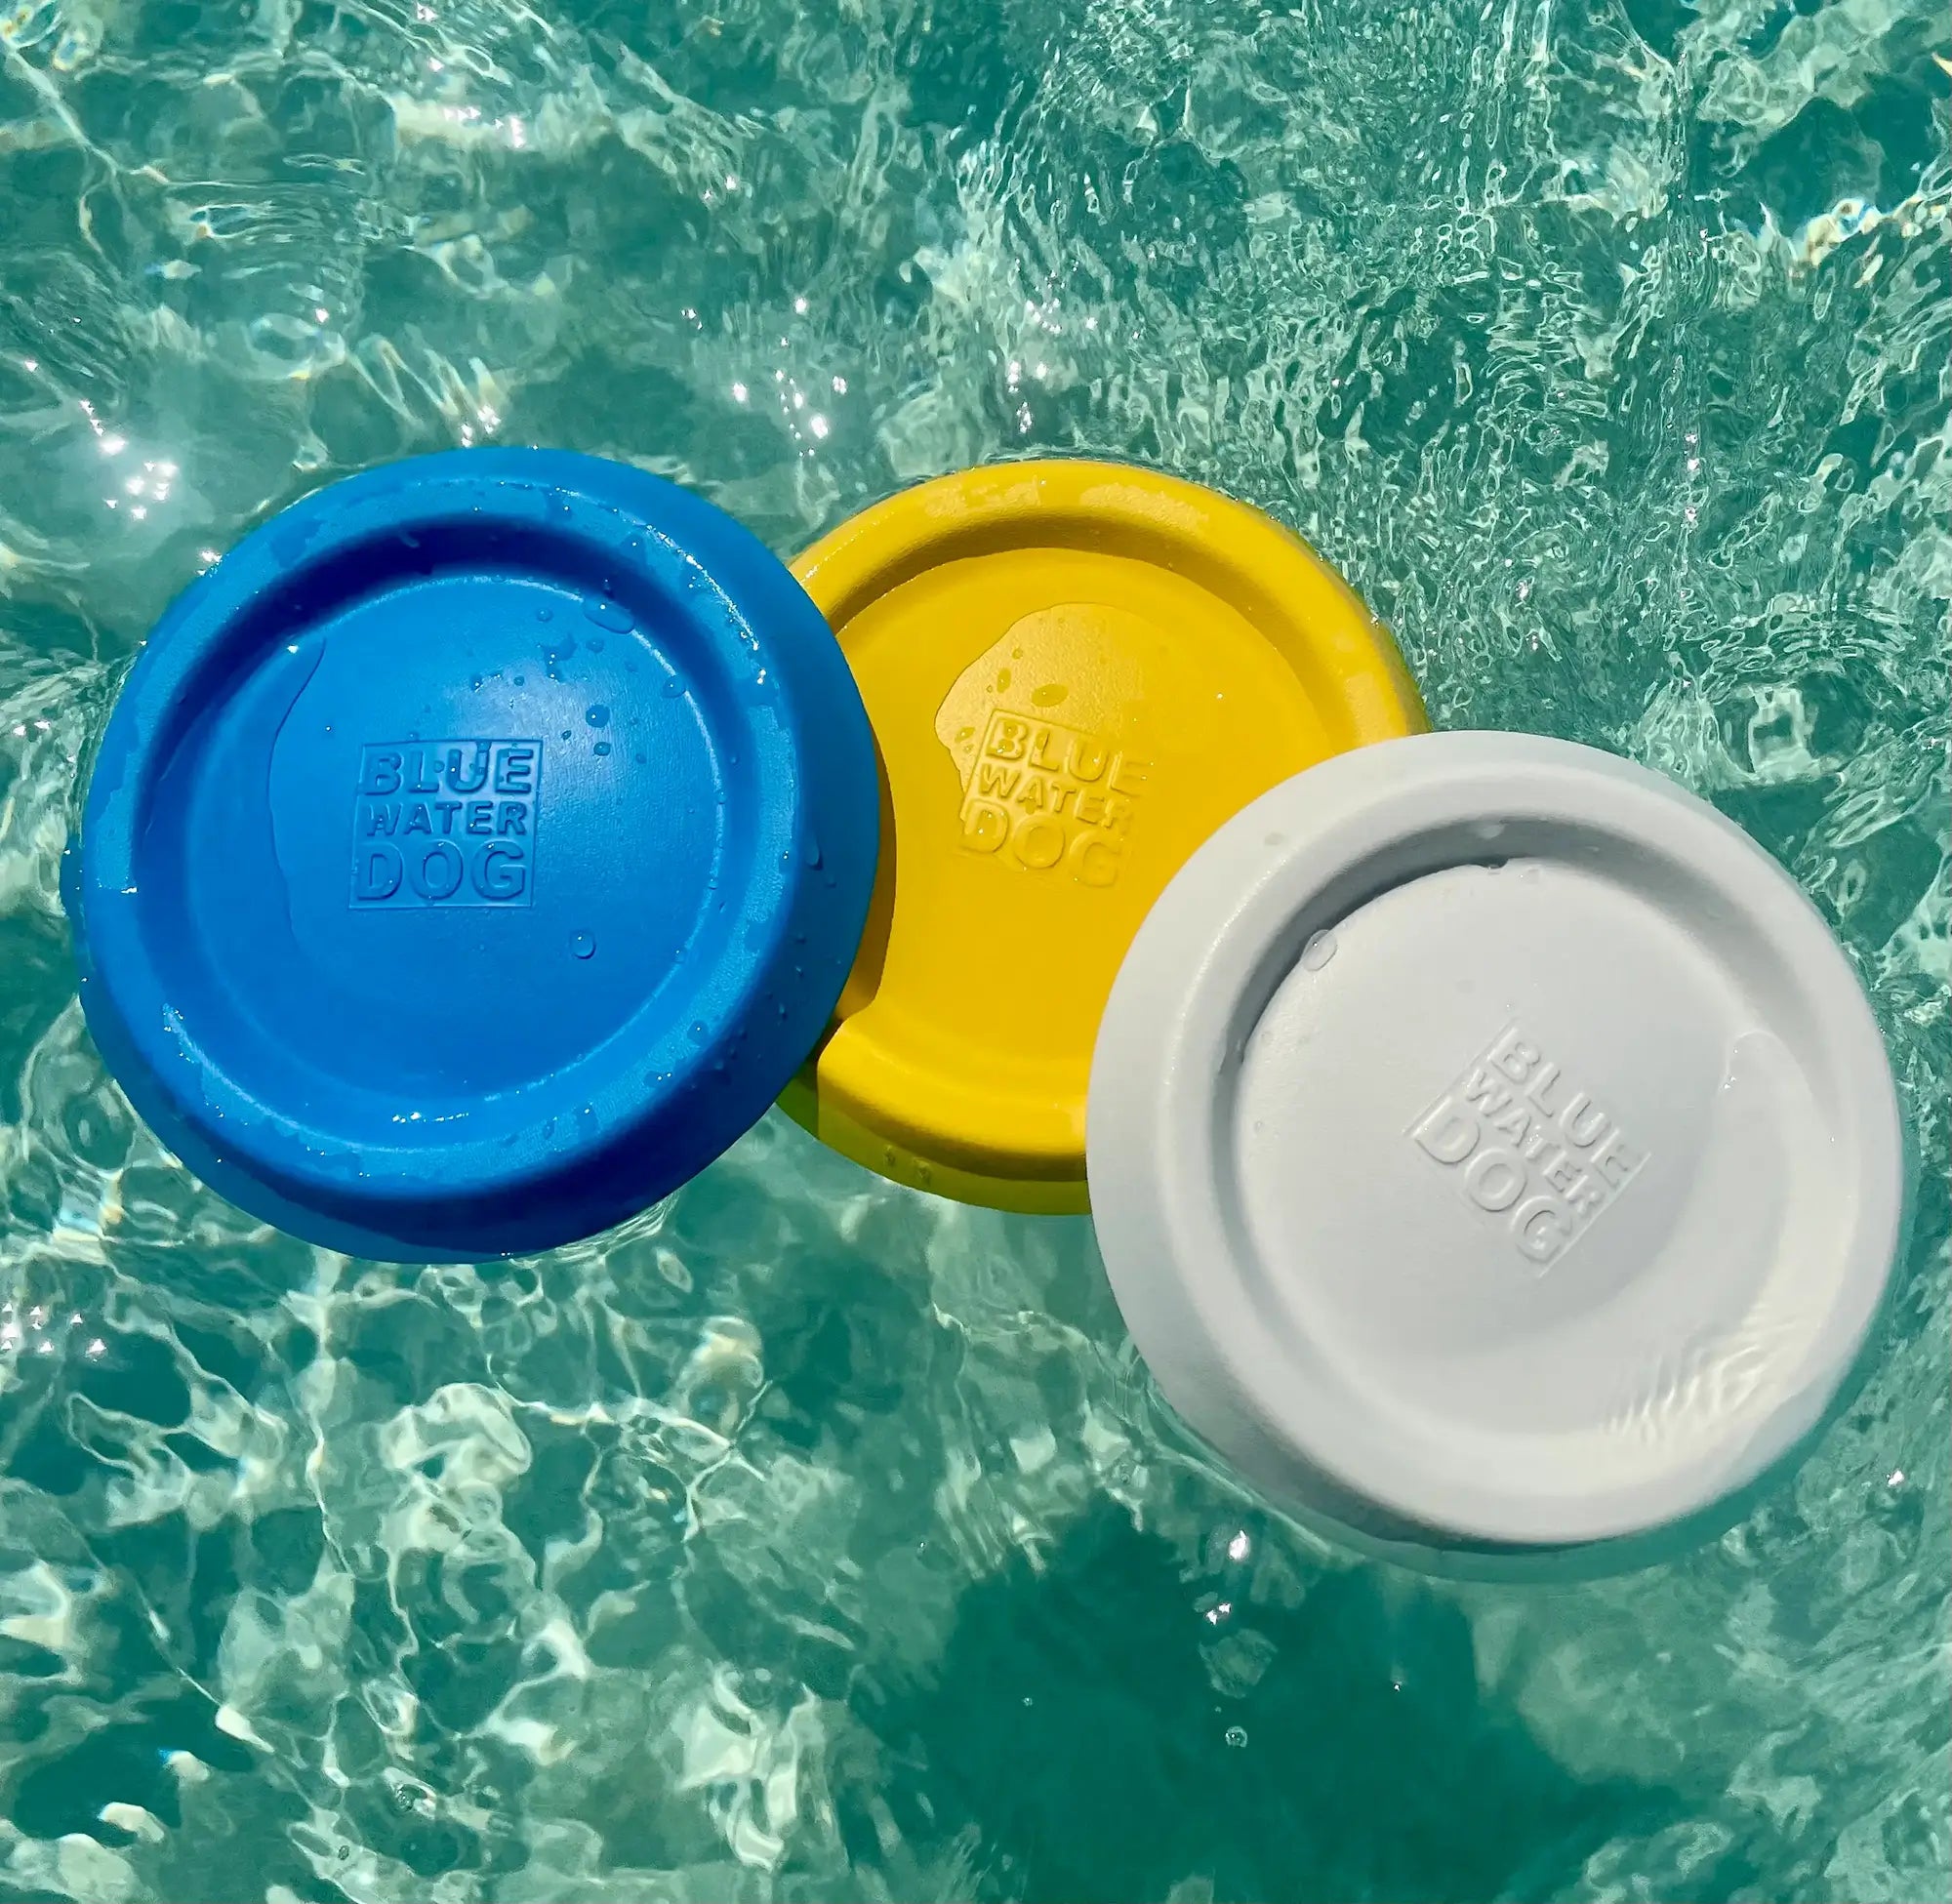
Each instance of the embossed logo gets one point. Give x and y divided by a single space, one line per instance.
445 823
1531 1154
1041 793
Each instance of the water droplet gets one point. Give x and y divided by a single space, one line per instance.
522 680
1319 950
602 746
545 615
674 688
809 851
599 715
475 681
607 614
565 733
1049 695
1002 680
1236 1735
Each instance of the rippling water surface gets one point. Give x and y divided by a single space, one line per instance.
806 1538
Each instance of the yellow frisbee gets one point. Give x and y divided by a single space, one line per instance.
1076 673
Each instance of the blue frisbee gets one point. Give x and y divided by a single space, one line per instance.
473 854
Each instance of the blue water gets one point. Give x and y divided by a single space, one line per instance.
808 1538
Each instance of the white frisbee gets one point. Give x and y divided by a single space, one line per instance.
1487 1138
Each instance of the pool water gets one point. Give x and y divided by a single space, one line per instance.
808 1538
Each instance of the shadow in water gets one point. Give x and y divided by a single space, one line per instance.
1080 1725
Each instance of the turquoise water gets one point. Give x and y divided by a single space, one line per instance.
808 1538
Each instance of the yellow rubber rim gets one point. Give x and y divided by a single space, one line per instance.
1076 673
